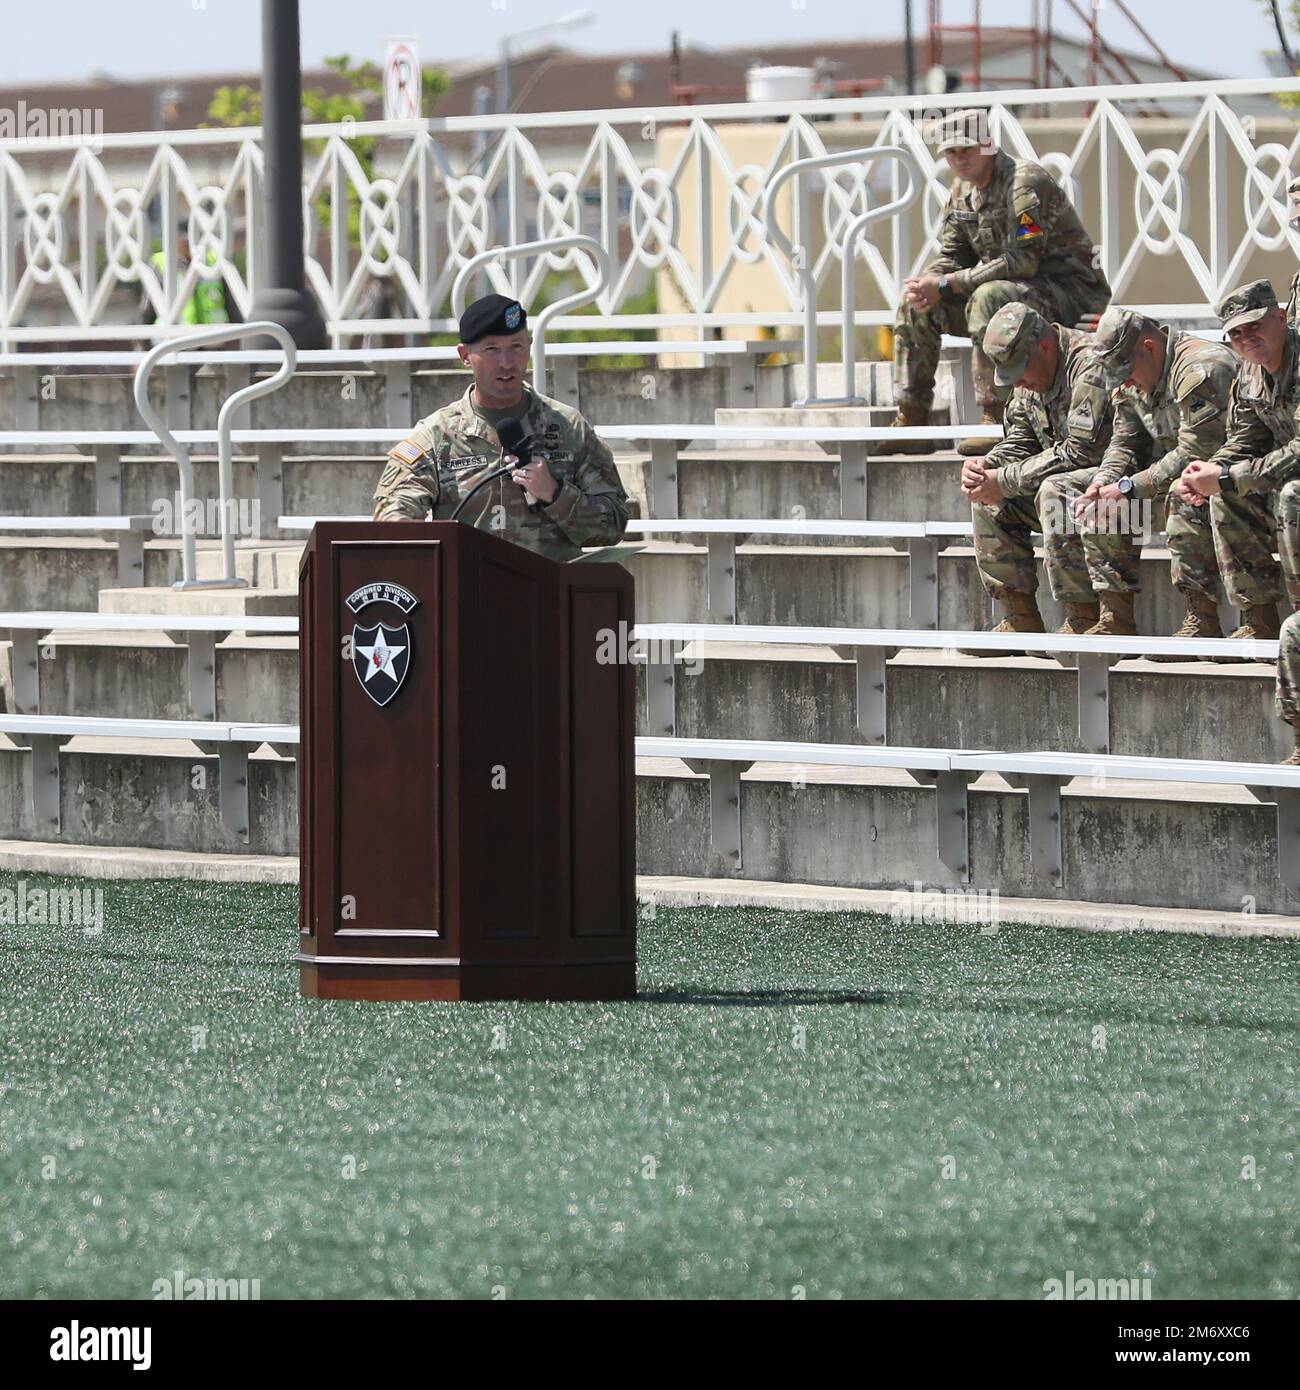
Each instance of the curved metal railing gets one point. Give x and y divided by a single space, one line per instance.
225 466
802 263
585 295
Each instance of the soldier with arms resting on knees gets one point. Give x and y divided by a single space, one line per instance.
1253 481
568 496
1009 235
1170 393
1058 427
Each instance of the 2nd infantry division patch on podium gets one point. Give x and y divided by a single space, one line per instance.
381 655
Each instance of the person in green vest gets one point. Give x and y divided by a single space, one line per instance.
207 304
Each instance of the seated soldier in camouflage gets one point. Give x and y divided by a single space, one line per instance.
1009 235
1058 426
1170 393
1253 481
568 496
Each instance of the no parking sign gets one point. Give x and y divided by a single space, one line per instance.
402 86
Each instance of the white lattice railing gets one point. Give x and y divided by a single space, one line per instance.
76 215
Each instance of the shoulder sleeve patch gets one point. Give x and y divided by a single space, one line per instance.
1190 379
1027 227
1082 419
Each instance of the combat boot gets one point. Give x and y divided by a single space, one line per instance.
1079 617
1261 625
1022 616
913 413
1294 759
1202 620
1116 618
977 448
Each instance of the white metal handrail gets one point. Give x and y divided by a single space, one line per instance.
497 254
225 466
801 259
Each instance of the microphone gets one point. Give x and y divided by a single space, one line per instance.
513 439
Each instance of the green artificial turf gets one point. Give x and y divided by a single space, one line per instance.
507 1149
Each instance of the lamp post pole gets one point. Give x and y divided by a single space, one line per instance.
282 295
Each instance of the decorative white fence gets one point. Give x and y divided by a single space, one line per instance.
75 215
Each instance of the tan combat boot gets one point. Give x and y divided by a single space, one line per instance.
977 448
1079 617
1294 759
1022 616
1261 624
1116 616
1202 620
909 413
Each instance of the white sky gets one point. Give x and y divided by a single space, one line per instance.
145 38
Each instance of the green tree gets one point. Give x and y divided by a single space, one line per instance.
242 106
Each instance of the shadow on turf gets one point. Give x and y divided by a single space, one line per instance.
757 998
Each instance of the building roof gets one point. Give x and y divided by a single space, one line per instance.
550 79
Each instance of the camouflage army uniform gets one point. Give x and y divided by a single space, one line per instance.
1288 672
1054 444
449 451
1018 239
1264 454
1184 419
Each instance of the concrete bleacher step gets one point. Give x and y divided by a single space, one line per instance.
938 699
852 586
796 694
876 828
253 602
848 827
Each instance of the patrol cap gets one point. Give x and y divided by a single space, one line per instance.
964 130
1011 333
1115 343
494 313
1248 304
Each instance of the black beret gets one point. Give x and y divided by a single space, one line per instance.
494 313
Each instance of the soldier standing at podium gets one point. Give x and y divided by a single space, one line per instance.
567 496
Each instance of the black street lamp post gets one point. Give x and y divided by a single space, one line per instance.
282 296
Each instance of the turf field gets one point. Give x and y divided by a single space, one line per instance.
775 1114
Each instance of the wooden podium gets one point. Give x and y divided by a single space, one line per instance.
466 769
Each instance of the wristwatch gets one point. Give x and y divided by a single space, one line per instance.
559 488
944 292
1227 483
1125 485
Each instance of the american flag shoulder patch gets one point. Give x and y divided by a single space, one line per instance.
408 451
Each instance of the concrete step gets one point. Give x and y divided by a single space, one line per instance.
826 585
250 602
848 829
731 482
359 398
935 699
853 586
1141 843
942 700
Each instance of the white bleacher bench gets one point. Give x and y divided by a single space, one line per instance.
45 734
950 772
740 356
870 649
128 532
199 632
